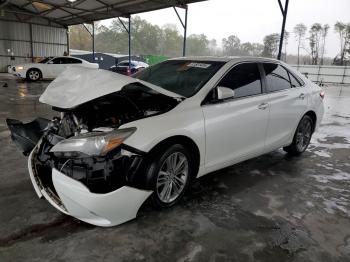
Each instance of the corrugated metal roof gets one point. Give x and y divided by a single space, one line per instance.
66 13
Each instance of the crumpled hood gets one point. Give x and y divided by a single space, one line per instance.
78 85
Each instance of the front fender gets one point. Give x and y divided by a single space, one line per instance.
153 130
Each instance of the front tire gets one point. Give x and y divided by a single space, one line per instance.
34 75
302 137
170 174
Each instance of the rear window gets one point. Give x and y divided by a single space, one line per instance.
123 64
183 77
45 60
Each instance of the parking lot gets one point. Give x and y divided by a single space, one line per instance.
271 208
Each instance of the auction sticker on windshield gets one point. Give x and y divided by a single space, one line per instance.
199 65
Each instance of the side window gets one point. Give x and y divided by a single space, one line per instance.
56 61
295 82
277 77
244 79
65 60
73 61
68 60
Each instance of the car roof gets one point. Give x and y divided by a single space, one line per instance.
67 57
226 58
132 61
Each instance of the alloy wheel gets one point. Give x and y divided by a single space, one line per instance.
303 135
172 177
34 75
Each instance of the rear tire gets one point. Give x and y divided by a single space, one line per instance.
169 175
33 75
302 137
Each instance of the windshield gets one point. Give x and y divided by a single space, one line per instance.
45 60
183 77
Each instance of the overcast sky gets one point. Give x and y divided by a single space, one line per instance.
251 20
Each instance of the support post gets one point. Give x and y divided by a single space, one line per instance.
129 32
345 67
185 33
67 32
93 42
284 14
31 42
184 25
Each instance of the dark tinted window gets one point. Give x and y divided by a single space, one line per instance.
123 64
277 77
66 60
183 77
70 60
57 60
244 79
45 60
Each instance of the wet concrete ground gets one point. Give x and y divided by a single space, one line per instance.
271 208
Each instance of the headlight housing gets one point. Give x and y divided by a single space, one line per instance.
94 143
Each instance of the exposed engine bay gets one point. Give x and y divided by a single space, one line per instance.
99 173
133 102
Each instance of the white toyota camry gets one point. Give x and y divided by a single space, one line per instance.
49 67
119 140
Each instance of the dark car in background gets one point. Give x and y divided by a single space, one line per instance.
124 69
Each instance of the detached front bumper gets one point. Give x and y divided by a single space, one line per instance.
74 198
20 73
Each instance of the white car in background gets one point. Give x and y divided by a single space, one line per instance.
49 67
120 139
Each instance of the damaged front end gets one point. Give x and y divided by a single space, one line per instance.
78 161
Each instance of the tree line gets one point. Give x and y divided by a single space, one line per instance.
167 41
317 42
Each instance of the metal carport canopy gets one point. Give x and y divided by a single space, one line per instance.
71 12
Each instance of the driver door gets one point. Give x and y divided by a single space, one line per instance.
236 127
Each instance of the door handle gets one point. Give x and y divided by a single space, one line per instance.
263 106
302 96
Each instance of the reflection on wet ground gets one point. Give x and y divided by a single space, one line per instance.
271 208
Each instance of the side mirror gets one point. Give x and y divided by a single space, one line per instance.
225 93
50 62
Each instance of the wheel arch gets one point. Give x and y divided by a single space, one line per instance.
313 116
34 68
186 141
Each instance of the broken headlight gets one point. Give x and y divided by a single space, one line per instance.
93 143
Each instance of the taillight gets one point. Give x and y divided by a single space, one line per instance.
322 94
128 71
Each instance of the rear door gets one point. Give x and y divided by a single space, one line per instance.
287 102
236 128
